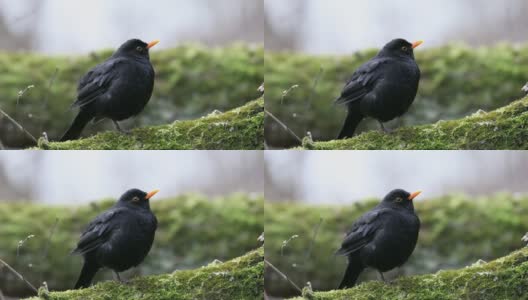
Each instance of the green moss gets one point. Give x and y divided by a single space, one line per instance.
457 80
191 80
238 129
192 231
456 231
504 128
504 278
240 278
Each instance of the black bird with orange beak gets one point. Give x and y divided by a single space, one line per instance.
383 238
383 88
116 89
119 238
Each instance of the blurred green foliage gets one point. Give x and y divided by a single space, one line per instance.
455 231
192 231
456 81
191 81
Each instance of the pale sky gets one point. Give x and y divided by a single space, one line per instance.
80 176
344 26
348 176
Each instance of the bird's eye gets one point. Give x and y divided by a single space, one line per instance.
399 199
135 199
404 48
139 49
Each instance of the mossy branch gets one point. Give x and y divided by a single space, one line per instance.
456 81
456 231
504 128
504 278
192 230
238 129
191 80
240 278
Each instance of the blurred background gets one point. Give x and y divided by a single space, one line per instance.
64 27
474 57
345 177
210 206
473 206
342 26
81 176
210 58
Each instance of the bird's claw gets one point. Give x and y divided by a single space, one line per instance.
385 130
121 130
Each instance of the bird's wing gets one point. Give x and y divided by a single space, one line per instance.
97 232
362 232
361 81
96 82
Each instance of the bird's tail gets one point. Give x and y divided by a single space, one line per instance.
77 126
352 120
354 268
87 274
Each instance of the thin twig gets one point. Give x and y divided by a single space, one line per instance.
283 126
311 246
312 93
22 92
312 242
283 275
46 96
48 240
46 246
286 92
286 242
19 126
19 275
22 242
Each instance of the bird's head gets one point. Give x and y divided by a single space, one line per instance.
137 198
400 47
136 48
400 198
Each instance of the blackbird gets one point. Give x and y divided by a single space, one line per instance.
119 238
382 238
382 88
117 89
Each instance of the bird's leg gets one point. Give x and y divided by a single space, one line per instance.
118 277
383 127
382 277
119 128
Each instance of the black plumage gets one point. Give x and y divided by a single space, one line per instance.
119 238
117 89
382 238
382 88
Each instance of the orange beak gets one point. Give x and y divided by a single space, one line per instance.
414 195
416 44
151 193
152 44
